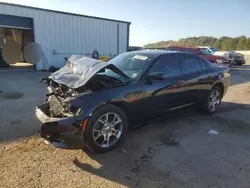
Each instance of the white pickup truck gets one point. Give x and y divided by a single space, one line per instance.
233 57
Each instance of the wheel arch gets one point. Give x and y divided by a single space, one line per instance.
122 105
219 84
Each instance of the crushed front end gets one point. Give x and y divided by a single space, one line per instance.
58 118
72 97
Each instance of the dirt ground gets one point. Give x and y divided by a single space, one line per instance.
176 152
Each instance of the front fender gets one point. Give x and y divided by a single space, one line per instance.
89 103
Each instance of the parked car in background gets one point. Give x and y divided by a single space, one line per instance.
238 58
233 57
99 102
204 52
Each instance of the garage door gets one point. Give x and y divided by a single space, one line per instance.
16 22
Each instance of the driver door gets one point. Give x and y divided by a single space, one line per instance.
161 96
168 94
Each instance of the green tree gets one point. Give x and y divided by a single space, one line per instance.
234 43
217 44
241 43
224 43
247 44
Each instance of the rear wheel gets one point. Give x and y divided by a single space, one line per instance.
105 128
212 102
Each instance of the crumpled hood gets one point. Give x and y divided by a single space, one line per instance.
77 71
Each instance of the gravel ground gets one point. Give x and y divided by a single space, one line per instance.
175 152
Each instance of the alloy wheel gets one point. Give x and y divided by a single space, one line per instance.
107 130
214 100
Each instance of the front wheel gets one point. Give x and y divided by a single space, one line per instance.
212 102
105 128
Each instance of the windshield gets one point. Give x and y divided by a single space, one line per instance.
111 73
205 51
214 49
131 64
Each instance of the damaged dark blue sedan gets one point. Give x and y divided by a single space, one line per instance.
98 102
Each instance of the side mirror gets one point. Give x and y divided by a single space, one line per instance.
156 76
198 53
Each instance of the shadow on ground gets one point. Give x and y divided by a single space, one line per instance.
142 160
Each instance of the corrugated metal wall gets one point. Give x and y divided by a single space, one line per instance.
62 34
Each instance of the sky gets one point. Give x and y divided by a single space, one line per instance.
158 20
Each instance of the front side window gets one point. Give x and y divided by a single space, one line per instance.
168 64
191 64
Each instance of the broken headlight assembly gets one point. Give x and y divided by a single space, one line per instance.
71 109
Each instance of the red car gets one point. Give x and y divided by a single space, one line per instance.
200 51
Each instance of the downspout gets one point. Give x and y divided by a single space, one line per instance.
128 34
118 40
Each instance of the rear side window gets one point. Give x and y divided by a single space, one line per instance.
170 65
191 64
192 51
171 48
203 64
182 49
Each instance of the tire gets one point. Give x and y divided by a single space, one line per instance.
209 108
103 133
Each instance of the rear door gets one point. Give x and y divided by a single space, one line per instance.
196 77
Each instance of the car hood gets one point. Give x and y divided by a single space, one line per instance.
79 70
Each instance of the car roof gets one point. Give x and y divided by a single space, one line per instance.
152 52
184 47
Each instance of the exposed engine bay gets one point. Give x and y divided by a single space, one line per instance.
85 75
57 94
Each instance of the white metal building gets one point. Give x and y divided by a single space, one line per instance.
61 34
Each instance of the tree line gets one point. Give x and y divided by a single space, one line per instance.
222 43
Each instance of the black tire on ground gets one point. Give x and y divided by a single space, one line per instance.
89 138
206 108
